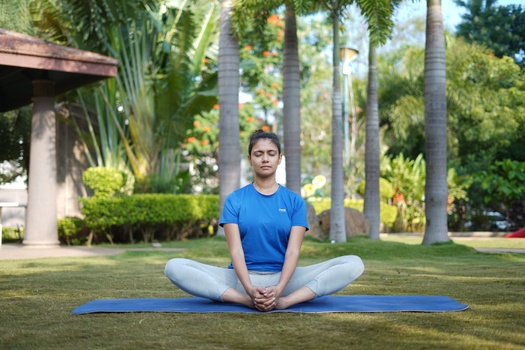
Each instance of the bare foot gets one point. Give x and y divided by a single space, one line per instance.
281 304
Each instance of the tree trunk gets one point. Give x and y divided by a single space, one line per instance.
337 210
436 191
372 198
292 103
229 81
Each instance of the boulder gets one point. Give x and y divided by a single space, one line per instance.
356 223
313 223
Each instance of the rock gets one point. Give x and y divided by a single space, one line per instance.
356 223
313 223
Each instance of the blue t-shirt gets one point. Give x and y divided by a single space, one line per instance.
264 223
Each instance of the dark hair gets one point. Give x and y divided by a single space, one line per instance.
261 134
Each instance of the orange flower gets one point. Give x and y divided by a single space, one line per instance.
269 95
196 123
274 53
205 60
275 101
261 92
274 19
248 47
204 142
266 53
206 129
265 128
192 139
275 86
216 106
249 119
241 105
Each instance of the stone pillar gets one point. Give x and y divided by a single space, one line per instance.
41 220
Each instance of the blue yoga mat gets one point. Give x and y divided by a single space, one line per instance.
335 303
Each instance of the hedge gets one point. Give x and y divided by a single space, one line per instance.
388 213
168 216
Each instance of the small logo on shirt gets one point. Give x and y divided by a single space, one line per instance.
282 210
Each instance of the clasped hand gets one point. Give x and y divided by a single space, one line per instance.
265 298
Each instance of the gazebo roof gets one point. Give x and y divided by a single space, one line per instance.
24 58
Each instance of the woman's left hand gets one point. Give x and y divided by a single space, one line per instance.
267 299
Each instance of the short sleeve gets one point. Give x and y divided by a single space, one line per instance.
299 218
230 212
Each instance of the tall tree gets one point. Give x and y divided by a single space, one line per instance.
436 189
378 15
372 202
292 102
291 83
500 28
229 141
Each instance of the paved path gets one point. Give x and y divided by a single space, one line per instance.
17 251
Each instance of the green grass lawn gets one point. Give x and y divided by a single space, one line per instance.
37 297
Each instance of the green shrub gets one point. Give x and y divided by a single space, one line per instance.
70 229
167 216
12 235
386 190
388 213
106 182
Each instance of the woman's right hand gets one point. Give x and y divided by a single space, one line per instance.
263 298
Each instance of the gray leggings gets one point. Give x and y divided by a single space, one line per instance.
211 282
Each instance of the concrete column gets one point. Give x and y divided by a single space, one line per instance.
41 220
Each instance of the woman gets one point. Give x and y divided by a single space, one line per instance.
264 224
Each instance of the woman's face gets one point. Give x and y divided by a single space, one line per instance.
265 158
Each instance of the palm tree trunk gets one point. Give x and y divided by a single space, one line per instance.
436 191
292 103
229 142
372 198
337 210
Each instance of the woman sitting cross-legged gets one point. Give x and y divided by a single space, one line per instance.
264 224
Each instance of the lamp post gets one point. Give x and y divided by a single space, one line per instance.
347 55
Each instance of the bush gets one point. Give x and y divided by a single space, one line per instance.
12 235
71 230
388 212
106 182
386 190
164 216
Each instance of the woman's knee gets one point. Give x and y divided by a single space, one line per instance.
355 265
173 266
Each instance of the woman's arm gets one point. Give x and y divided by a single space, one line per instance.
233 237
291 258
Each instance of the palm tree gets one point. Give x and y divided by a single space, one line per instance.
229 140
436 189
292 102
291 84
372 208
337 210
372 153
378 14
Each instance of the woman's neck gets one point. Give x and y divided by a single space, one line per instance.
269 186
